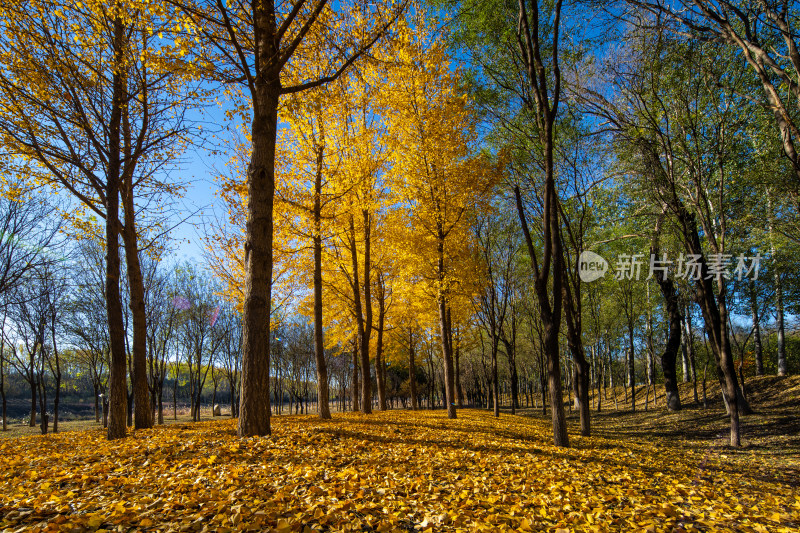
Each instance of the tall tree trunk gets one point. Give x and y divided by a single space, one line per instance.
319 347
57 373
116 328
153 399
412 370
583 384
550 315
232 387
129 407
569 385
366 333
511 355
192 393
673 345
56 401
355 395
631 365
175 394
778 296
444 332
554 387
487 377
161 405
32 421
142 415
380 367
690 349
572 313
548 275
254 399
3 372
3 376
600 381
651 363
213 394
494 377
278 390
705 398
782 367
431 381
513 378
3 395
363 314
459 390
685 364
96 402
42 387
543 381
759 355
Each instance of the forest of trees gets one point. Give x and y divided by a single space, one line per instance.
470 203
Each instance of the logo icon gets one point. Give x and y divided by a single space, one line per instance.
591 266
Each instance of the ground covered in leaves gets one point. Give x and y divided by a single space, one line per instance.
393 471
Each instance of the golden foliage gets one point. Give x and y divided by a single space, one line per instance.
393 471
391 143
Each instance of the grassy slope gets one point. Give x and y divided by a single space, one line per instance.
771 435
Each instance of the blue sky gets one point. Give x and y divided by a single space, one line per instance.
197 203
197 174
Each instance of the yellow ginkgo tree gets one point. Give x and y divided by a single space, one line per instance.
441 180
311 184
363 175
